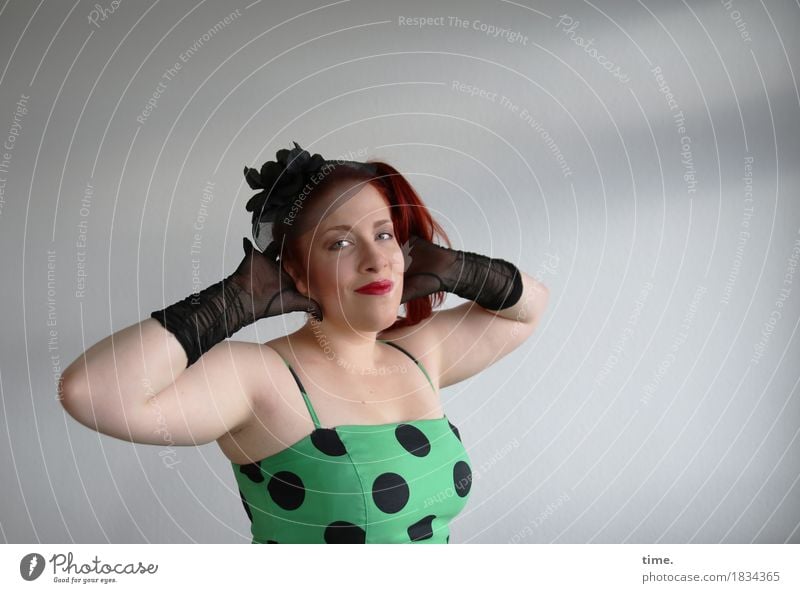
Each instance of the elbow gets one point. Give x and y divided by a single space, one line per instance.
543 300
68 391
93 408
72 382
75 401
540 301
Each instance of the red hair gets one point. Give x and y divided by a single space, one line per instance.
409 215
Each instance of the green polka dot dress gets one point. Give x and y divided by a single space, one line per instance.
401 482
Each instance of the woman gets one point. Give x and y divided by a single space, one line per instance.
335 432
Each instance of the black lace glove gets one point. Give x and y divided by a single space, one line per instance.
494 284
258 288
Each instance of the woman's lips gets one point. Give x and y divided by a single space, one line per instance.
377 288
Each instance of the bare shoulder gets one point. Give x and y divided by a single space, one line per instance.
253 364
420 341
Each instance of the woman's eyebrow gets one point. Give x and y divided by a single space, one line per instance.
345 227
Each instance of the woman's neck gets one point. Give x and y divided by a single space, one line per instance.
344 347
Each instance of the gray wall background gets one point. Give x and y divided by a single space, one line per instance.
658 401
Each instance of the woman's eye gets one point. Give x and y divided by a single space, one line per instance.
335 247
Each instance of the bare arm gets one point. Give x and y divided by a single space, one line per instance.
470 338
134 385
140 358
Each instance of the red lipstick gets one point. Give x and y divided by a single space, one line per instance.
376 288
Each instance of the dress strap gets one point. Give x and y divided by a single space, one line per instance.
418 363
311 411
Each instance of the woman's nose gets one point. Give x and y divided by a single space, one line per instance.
374 258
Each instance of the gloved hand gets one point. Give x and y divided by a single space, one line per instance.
270 290
258 288
494 284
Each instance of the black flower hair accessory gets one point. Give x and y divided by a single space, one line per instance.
282 182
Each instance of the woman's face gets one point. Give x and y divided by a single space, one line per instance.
352 246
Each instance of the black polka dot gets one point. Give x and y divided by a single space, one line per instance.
413 440
252 471
422 529
271 541
287 490
342 532
455 430
328 442
390 492
246 506
462 478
